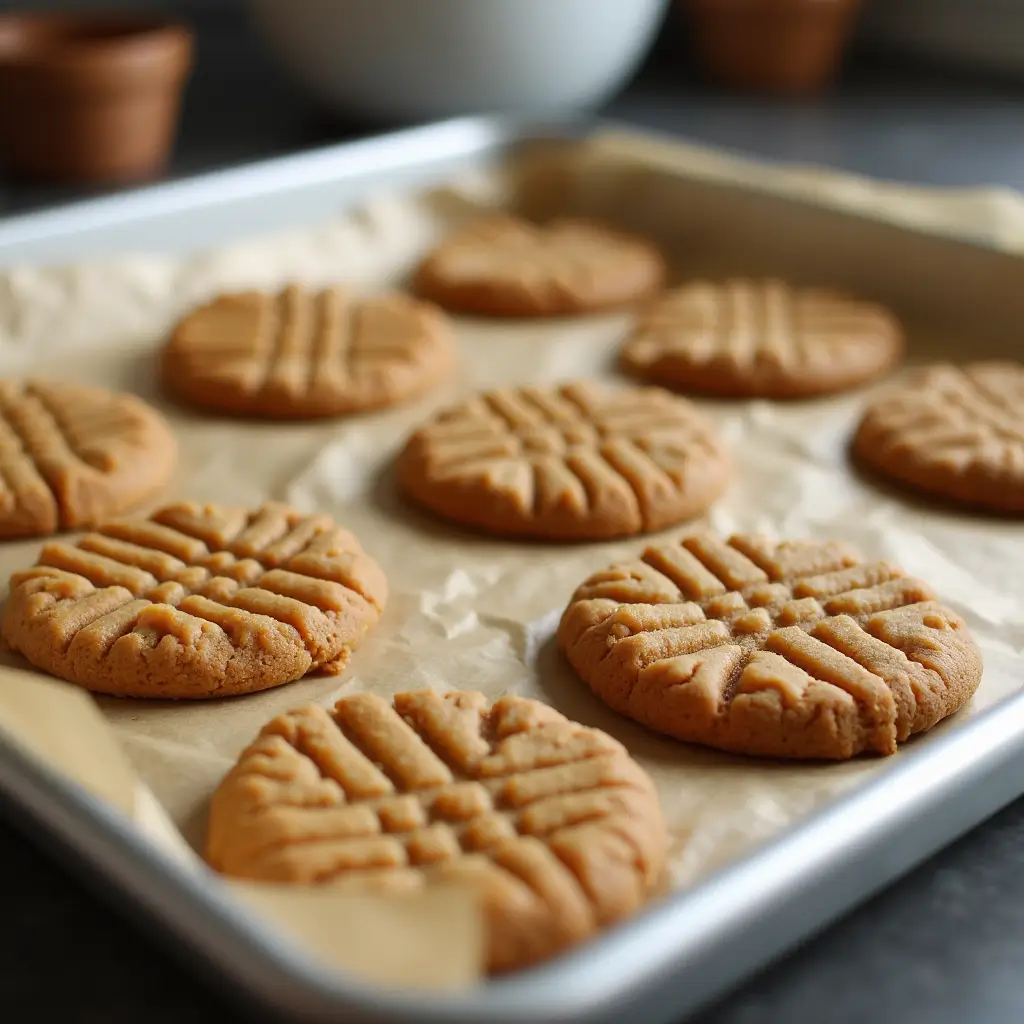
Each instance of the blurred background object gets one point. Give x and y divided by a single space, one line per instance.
90 98
778 46
915 96
392 60
986 35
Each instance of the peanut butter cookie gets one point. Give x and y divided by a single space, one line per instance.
304 354
795 649
552 822
71 456
503 266
762 339
951 432
575 462
196 601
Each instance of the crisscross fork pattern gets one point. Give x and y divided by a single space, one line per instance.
791 649
573 462
954 432
303 353
505 266
765 338
196 601
555 826
72 455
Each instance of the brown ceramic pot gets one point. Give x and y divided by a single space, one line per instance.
90 97
779 46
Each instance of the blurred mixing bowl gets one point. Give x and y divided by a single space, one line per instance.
399 60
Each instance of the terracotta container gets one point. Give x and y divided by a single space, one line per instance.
90 98
777 46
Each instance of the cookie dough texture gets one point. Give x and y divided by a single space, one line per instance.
557 829
762 338
574 462
196 601
306 354
795 649
506 267
71 456
955 433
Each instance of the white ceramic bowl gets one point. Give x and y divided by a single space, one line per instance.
413 59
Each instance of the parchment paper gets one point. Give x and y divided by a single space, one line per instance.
471 612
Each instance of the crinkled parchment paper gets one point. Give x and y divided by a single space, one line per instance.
470 612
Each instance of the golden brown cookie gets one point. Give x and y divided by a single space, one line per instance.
196 601
503 266
555 826
575 462
71 456
793 649
951 432
762 339
304 354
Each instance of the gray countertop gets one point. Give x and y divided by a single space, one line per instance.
945 944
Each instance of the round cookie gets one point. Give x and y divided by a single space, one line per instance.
503 266
762 339
795 649
559 831
71 456
196 601
952 432
306 354
570 463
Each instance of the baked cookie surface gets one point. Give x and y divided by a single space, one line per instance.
196 601
504 266
552 822
761 338
71 456
795 649
952 432
576 462
306 354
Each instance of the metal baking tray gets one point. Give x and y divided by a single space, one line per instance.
664 963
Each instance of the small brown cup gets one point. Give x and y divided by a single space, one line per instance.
90 98
776 46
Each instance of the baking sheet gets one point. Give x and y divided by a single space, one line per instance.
469 612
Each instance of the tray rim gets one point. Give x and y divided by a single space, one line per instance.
677 955
448 139
679 942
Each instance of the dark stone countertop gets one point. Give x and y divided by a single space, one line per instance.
942 946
